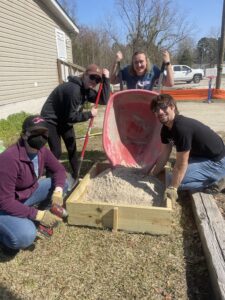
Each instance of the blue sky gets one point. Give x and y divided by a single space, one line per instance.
206 15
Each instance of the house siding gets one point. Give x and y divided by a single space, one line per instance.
28 51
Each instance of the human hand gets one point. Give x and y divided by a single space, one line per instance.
47 219
166 56
119 56
57 197
171 193
94 111
105 73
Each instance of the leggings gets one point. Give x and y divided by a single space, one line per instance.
68 135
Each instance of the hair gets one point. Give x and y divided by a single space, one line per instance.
164 98
132 70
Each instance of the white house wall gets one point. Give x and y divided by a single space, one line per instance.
28 54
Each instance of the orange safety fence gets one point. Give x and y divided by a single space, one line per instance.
195 94
218 94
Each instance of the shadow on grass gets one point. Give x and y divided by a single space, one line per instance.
197 275
6 294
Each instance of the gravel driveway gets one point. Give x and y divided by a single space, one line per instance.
210 114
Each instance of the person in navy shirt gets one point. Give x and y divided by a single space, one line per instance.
140 74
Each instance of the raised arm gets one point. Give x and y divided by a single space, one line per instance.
168 79
114 79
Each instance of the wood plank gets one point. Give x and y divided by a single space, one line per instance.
152 220
211 226
115 219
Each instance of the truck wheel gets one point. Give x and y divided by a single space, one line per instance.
196 79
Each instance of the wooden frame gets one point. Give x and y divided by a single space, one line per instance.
153 220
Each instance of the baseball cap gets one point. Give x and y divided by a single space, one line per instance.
94 70
33 123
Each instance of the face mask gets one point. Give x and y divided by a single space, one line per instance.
37 142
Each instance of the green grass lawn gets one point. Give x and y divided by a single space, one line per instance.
10 130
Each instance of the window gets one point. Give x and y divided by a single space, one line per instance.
61 44
176 68
186 69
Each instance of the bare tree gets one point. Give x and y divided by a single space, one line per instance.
152 25
93 46
149 25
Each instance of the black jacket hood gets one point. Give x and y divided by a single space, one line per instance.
76 80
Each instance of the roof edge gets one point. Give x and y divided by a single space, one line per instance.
60 13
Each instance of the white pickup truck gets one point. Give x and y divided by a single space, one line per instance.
185 73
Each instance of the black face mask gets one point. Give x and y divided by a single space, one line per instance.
37 142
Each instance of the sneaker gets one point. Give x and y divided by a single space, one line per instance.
210 190
44 232
72 182
220 184
8 251
216 187
30 248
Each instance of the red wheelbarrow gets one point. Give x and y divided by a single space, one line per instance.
131 132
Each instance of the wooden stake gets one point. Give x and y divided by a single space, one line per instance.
115 219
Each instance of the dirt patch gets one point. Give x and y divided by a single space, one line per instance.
220 200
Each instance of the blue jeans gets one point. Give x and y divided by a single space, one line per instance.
19 233
201 173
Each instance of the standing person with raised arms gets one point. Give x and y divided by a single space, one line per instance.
141 74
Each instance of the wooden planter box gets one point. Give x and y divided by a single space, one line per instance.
153 220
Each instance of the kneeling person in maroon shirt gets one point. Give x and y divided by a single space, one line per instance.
23 187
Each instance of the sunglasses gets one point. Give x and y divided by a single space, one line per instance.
162 106
95 78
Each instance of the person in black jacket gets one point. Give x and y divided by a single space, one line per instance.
64 107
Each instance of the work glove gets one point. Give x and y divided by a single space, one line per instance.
46 218
94 111
57 197
171 193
